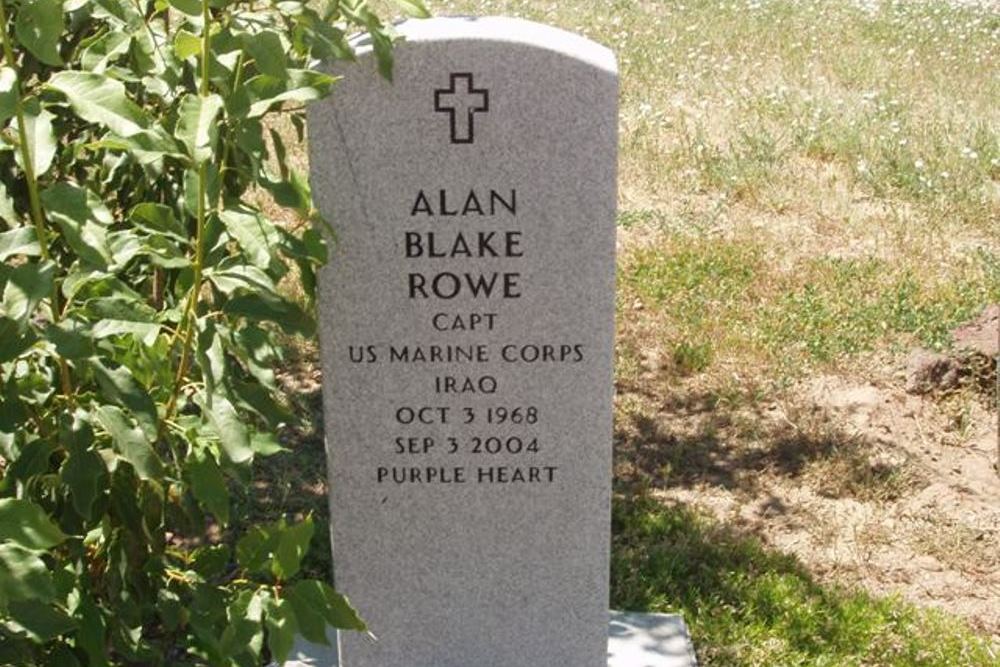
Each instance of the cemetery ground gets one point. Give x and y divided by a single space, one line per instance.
808 194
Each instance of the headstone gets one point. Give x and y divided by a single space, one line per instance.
467 331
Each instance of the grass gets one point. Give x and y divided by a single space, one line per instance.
725 299
748 605
802 183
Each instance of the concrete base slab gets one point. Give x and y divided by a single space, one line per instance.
634 640
649 640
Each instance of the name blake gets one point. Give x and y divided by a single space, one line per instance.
444 245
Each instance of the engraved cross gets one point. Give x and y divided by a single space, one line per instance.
461 101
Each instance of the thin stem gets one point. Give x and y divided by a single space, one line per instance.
35 202
190 317
27 164
206 33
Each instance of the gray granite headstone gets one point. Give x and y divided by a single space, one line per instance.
466 331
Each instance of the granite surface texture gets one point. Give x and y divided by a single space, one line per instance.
466 320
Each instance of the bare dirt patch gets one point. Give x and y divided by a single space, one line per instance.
866 484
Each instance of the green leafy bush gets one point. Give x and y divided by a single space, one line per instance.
138 321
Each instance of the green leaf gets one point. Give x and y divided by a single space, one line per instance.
130 443
38 28
83 220
333 607
309 602
19 241
7 211
268 53
211 561
164 253
14 338
189 7
42 622
281 628
158 219
148 147
23 575
125 245
71 342
293 544
186 44
253 550
340 613
121 387
255 233
243 633
26 286
271 308
197 127
382 45
122 306
207 609
291 193
326 41
230 428
8 93
102 52
99 99
266 444
191 186
257 350
27 524
240 276
39 137
122 10
33 460
91 633
146 332
414 8
262 92
263 402
83 472
211 356
61 656
209 485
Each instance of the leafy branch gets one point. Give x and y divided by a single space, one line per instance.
139 274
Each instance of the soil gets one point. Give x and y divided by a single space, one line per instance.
866 484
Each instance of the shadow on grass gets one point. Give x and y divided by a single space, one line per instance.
732 447
748 605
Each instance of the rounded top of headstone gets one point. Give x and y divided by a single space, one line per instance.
501 29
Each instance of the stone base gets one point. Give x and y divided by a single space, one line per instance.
649 640
634 640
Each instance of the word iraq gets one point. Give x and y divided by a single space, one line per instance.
459 244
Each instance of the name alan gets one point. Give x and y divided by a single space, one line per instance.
448 204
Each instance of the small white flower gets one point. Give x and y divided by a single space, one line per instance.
919 164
